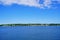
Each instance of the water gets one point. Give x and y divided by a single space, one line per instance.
30 33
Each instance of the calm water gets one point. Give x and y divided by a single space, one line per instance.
30 33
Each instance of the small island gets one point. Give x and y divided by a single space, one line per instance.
29 24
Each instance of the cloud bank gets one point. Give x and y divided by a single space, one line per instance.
34 3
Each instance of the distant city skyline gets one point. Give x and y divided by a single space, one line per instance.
29 11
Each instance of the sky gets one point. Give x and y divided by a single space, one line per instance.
29 11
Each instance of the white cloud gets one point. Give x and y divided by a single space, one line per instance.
47 3
34 3
21 2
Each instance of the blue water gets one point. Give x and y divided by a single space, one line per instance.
30 33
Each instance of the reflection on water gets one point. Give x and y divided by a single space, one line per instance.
30 33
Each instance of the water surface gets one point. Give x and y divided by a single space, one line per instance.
30 33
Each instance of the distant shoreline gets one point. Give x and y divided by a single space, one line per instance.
29 24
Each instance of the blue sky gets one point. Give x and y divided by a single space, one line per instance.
29 11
